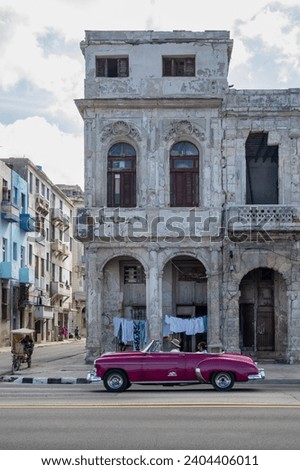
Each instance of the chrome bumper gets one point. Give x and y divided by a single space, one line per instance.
92 377
261 375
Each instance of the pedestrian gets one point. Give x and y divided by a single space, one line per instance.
176 345
202 348
28 345
63 332
76 333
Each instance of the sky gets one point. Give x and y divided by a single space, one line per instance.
42 67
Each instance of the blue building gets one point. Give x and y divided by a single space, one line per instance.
15 276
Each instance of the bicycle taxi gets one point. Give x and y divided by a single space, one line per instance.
22 344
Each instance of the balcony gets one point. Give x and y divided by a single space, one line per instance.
60 249
60 219
79 296
41 205
57 247
10 212
43 312
66 251
140 225
26 276
60 290
9 270
27 223
271 218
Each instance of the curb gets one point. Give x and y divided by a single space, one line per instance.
42 380
72 380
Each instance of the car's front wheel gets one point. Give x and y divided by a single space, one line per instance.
116 381
222 381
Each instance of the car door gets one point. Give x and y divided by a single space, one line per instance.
162 367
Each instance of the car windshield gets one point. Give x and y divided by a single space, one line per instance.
153 346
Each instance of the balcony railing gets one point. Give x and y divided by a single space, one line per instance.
9 270
26 275
59 289
43 312
41 205
263 217
139 224
57 247
60 249
10 212
61 219
27 223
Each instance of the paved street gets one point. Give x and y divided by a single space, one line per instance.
86 417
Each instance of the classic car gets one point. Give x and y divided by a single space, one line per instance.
118 371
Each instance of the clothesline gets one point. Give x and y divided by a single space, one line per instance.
189 326
136 330
131 331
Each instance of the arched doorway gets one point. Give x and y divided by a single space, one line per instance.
124 304
185 298
263 313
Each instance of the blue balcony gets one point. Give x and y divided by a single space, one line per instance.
10 212
26 276
27 223
9 270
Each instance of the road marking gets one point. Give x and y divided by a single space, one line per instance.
144 405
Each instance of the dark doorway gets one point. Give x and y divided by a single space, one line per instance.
257 324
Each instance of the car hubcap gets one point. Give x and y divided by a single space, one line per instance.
115 381
223 380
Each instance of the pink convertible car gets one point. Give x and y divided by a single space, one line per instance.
151 366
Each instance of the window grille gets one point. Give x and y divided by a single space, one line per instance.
178 66
134 275
138 313
112 67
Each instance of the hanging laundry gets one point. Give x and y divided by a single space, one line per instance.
128 331
189 326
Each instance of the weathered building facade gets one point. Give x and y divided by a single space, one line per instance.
192 201
76 196
36 240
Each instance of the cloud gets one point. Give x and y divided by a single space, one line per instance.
266 52
42 67
59 153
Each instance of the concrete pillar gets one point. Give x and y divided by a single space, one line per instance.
94 309
154 297
213 304
231 320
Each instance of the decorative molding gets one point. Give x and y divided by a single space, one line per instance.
120 128
184 127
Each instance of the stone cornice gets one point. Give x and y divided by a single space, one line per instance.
143 103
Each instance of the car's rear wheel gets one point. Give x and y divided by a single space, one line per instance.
115 381
222 381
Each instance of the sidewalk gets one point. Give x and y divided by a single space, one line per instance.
70 366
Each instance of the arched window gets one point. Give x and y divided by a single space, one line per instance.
184 175
121 176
